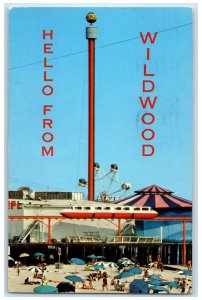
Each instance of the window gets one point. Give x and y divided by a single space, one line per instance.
78 207
126 208
107 208
145 208
87 208
117 208
98 208
136 208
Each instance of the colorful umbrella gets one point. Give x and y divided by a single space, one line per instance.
24 255
127 262
98 267
135 271
111 264
74 278
138 286
38 254
171 284
92 256
100 263
45 289
101 257
10 258
156 282
78 261
155 277
124 275
187 272
34 269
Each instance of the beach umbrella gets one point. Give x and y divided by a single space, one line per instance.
171 284
127 262
101 257
34 269
158 288
77 261
155 277
138 286
24 255
92 256
98 267
124 275
10 258
65 287
74 278
111 264
156 282
187 273
135 271
123 259
38 254
45 289
100 263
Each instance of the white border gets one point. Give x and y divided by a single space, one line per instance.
197 126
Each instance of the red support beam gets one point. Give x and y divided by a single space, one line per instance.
91 117
35 217
61 217
171 219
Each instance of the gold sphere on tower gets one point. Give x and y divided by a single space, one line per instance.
91 17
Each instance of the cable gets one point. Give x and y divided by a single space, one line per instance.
97 48
36 184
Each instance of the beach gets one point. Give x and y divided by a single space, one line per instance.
55 275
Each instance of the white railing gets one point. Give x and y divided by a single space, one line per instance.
134 239
117 239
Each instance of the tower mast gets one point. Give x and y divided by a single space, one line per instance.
91 35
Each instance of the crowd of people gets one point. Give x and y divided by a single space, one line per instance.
107 280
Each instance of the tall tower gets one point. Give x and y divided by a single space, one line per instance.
91 35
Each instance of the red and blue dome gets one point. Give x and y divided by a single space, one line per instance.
155 197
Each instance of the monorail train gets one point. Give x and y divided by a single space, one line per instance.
108 212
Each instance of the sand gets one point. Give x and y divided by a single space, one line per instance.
54 276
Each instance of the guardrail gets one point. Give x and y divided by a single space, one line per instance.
133 239
117 239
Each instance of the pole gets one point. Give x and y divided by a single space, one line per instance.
91 118
119 230
49 231
184 243
91 35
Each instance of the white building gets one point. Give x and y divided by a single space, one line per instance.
36 230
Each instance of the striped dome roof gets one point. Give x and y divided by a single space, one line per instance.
155 197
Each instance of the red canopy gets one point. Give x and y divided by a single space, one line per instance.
155 197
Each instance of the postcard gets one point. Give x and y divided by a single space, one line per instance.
100 150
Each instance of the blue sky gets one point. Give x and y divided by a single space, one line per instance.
119 75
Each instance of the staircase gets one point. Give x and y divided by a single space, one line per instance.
128 230
27 231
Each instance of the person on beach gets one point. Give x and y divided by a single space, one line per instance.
104 283
18 271
183 286
189 265
146 273
74 284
